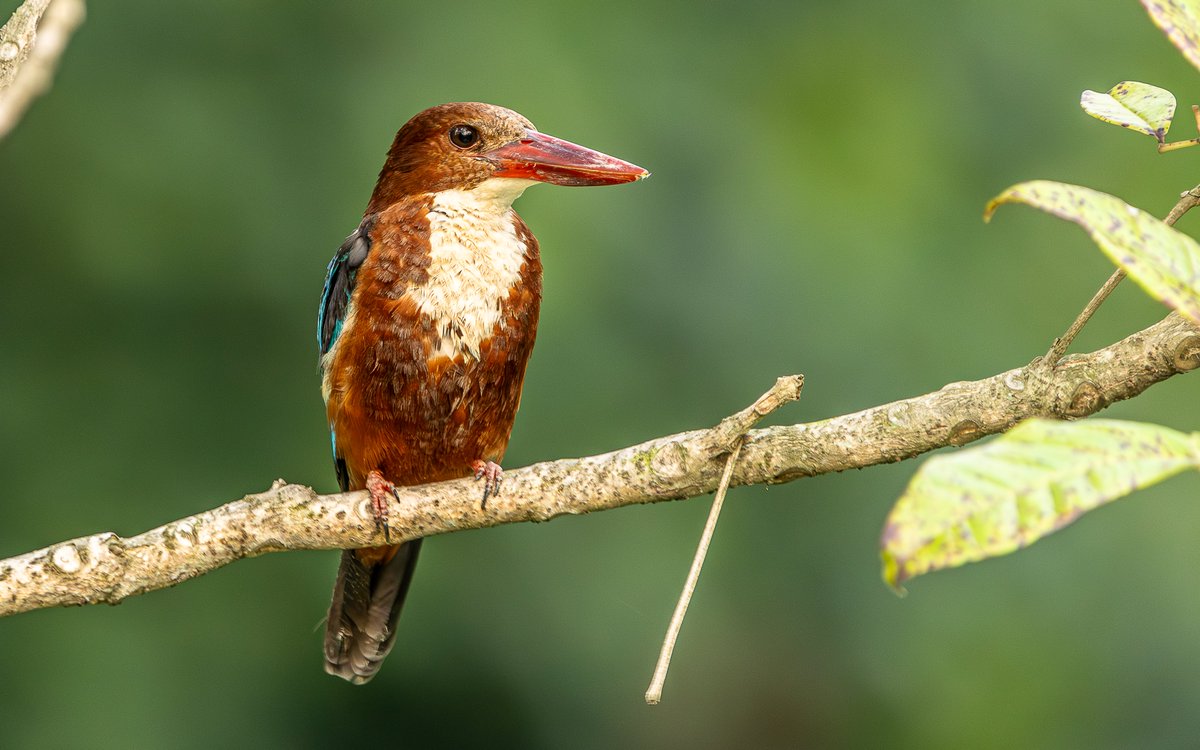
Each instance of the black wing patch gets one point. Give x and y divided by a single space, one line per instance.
339 467
339 284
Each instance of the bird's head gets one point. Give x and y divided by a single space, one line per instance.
460 146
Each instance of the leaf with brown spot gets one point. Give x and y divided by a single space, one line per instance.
1180 21
1164 261
1137 106
994 499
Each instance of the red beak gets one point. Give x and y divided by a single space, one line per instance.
545 158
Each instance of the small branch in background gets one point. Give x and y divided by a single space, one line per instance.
31 44
17 39
785 390
1187 201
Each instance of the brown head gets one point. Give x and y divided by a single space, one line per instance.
458 146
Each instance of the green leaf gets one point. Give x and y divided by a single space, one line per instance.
994 499
1137 106
1165 262
1180 21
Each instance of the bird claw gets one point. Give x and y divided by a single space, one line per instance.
491 474
380 488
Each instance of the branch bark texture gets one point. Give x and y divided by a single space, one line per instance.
107 568
31 42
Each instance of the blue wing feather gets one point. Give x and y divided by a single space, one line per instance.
335 305
339 285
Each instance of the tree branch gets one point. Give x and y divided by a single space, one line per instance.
30 44
108 568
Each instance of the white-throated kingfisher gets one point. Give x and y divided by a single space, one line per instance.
427 320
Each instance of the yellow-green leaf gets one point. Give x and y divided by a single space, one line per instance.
1165 262
994 499
1137 106
1180 21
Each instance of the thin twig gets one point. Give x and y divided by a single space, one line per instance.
726 437
1187 201
785 390
1059 347
654 692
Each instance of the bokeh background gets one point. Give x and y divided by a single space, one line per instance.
820 169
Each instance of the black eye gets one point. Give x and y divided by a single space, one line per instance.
464 136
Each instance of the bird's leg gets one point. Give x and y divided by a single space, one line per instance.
491 474
380 488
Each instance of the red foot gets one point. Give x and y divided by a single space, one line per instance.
380 488
491 474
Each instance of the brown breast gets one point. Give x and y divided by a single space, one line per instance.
426 376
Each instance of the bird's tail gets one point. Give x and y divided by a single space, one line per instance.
367 598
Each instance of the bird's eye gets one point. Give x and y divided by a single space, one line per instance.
464 136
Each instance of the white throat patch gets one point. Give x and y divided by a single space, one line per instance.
475 258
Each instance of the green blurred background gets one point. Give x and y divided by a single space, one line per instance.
819 174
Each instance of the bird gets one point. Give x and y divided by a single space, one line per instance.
426 322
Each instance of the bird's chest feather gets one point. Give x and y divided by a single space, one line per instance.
475 258
433 350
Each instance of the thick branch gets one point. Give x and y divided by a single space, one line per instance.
108 568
